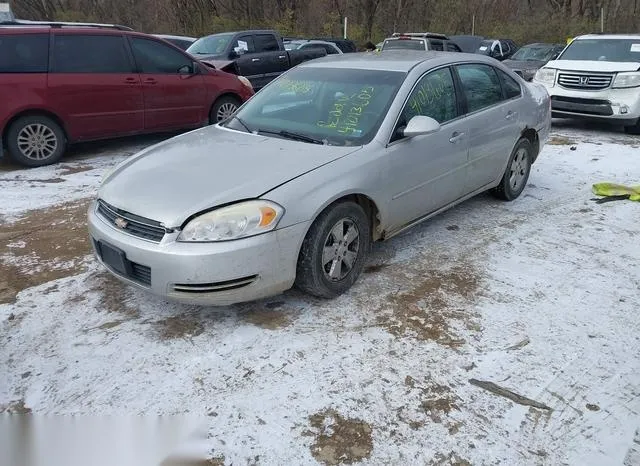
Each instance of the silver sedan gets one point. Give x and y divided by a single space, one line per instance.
333 155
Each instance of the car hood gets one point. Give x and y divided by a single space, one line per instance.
594 66
212 166
524 64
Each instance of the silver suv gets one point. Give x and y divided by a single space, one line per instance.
596 77
420 41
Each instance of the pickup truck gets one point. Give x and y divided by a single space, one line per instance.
259 56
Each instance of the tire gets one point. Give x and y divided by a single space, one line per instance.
223 108
635 129
35 141
517 173
312 276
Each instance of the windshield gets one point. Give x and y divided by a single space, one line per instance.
210 45
292 45
406 44
615 50
535 53
334 106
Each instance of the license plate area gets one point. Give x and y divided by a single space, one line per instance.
115 258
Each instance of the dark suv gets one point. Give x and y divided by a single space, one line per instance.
64 82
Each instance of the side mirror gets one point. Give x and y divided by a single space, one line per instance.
420 125
187 69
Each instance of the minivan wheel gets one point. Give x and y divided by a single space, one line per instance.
334 251
35 141
223 108
517 173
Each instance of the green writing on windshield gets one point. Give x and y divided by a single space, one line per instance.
298 87
346 113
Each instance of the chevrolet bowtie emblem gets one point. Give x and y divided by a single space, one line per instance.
121 223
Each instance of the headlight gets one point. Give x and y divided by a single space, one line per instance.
233 222
245 82
546 76
627 80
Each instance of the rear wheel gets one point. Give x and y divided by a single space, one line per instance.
334 251
35 141
223 108
517 173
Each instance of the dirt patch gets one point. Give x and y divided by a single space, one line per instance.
114 296
180 326
15 407
560 141
452 459
437 400
339 440
592 407
45 245
70 169
375 268
428 310
270 317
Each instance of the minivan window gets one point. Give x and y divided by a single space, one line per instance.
265 43
24 53
80 53
615 50
436 45
154 57
480 85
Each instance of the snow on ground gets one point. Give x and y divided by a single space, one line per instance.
539 296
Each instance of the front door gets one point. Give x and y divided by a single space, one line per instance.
428 172
493 126
92 85
174 96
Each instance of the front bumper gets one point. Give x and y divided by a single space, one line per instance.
215 274
620 106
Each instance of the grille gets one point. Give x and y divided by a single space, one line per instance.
214 287
141 273
585 81
133 224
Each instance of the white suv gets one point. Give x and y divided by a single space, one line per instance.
596 77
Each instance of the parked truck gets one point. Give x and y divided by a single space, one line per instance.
258 55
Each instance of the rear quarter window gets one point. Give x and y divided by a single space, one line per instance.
24 53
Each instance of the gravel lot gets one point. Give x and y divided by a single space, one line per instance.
539 296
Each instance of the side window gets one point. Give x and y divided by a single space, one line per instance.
511 87
154 57
266 43
436 45
244 42
480 85
451 47
24 53
434 96
330 50
80 53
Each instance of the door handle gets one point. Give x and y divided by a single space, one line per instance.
511 115
150 81
255 59
455 137
131 80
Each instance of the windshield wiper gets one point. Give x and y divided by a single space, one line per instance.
294 136
244 125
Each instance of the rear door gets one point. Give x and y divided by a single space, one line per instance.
92 85
493 121
174 96
272 60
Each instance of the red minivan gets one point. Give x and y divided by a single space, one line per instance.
65 83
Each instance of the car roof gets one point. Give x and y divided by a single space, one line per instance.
608 36
169 36
23 24
391 60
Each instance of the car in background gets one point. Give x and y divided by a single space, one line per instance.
301 44
182 42
259 55
528 59
346 45
331 156
419 41
467 43
596 77
63 83
500 49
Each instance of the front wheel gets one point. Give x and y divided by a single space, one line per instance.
334 251
223 108
517 173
